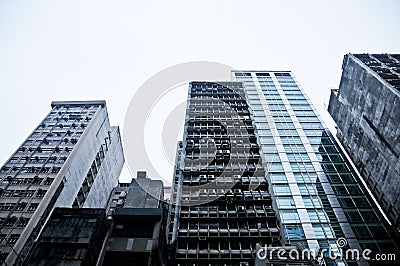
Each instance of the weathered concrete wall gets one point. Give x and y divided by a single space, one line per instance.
82 157
366 110
108 175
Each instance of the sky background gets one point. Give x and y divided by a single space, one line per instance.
82 50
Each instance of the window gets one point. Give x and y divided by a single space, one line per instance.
291 140
309 119
362 232
305 177
260 119
282 119
48 181
312 202
13 238
55 170
13 160
8 193
317 216
62 159
353 216
328 167
333 178
4 169
294 232
278 178
354 189
346 202
298 157
302 167
281 190
369 216
304 113
285 202
264 132
378 232
22 222
288 132
275 167
39 160
341 167
322 231
361 202
339 189
347 178
307 189
294 149
267 140
29 193
6 206
289 216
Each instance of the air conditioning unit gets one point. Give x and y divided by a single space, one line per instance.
202 238
241 209
243 263
203 191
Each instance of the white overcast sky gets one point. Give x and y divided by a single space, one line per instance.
81 50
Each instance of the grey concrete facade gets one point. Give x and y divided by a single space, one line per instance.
137 218
72 159
366 111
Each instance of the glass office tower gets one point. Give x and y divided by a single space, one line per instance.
258 166
319 196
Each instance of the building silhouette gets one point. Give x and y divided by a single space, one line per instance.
366 111
258 167
72 159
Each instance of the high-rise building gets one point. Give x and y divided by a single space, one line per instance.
72 159
138 217
366 111
223 207
257 167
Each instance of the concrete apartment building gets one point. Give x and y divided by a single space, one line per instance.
72 159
